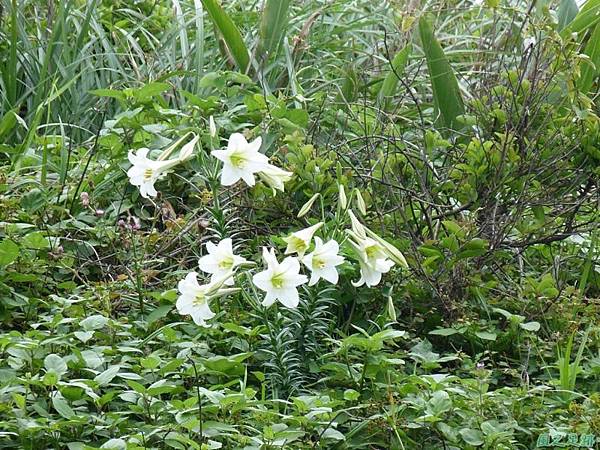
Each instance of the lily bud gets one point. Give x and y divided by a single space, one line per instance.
188 149
391 309
306 207
212 127
342 196
357 227
360 203
393 253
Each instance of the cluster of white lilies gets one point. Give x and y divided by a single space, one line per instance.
280 279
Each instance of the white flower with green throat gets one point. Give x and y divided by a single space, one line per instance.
220 260
323 261
241 160
280 281
299 241
194 298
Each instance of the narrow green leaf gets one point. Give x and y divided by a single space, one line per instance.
390 83
231 34
589 72
273 25
446 94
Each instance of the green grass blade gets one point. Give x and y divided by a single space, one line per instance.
589 72
183 38
273 25
566 13
199 46
231 34
446 94
390 83
11 82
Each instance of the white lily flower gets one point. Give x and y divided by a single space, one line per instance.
323 260
280 280
193 299
144 172
220 261
373 260
275 177
241 160
299 241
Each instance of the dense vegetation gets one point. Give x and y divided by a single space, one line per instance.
451 148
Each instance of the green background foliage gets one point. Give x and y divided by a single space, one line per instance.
471 131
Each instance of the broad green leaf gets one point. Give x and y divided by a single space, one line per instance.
530 326
94 322
106 377
485 335
159 313
446 93
472 437
61 406
444 332
56 364
9 251
231 34
439 403
150 90
8 122
273 25
35 240
566 13
588 16
390 83
591 69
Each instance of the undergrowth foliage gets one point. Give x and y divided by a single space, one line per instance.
315 224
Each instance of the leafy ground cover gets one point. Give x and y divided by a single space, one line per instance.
405 201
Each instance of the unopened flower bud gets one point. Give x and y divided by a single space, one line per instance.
391 309
84 197
212 127
360 203
306 207
342 196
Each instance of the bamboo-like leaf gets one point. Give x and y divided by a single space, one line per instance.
590 71
390 83
446 94
567 11
588 16
231 34
273 25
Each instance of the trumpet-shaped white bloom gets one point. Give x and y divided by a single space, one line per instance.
299 241
280 281
144 172
275 177
241 160
194 298
220 261
372 257
322 261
